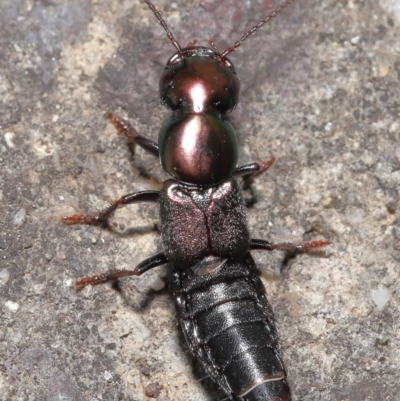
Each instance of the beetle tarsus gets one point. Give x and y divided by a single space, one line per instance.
89 219
144 266
287 246
102 217
125 129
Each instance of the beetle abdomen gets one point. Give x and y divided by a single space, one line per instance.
228 324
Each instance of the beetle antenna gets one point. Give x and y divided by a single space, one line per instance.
256 27
163 24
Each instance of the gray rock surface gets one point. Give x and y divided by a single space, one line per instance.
320 91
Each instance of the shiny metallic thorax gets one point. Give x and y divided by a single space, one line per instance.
197 146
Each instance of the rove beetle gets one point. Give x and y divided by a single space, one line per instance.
220 300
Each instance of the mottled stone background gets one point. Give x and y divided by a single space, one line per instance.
320 91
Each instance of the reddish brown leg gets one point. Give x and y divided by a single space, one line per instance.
286 246
142 267
192 43
126 130
250 172
213 45
102 217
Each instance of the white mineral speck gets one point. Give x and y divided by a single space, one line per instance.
380 296
107 375
19 217
328 126
4 276
68 283
157 284
12 306
8 137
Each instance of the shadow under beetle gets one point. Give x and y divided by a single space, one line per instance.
219 297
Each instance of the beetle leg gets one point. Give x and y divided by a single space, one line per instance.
287 246
250 172
102 217
144 266
126 130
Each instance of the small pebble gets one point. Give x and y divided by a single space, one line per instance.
157 284
16 337
12 306
153 390
8 137
380 296
91 165
382 339
328 126
327 202
19 217
355 215
4 276
61 254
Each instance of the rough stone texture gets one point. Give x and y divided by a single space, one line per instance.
320 91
